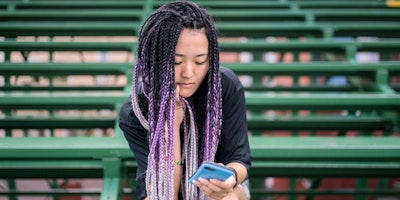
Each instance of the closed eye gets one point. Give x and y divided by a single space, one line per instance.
201 62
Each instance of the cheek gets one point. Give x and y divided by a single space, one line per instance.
205 71
176 74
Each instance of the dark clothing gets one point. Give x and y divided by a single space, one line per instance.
233 145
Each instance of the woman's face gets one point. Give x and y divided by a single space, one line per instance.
191 61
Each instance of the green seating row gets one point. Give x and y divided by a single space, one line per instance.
376 75
44 5
353 101
311 158
326 30
320 30
362 77
255 19
306 16
293 5
65 100
365 111
65 158
379 111
15 29
9 46
342 124
339 4
52 70
274 4
220 15
111 160
84 103
56 122
373 100
347 49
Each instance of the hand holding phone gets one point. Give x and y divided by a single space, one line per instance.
209 170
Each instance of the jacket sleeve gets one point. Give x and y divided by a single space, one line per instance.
234 144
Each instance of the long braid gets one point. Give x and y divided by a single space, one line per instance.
214 93
154 68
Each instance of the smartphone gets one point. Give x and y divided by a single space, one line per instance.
209 170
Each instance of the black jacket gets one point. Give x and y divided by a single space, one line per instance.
233 145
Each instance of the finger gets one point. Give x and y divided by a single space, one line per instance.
210 190
177 99
225 185
202 187
213 185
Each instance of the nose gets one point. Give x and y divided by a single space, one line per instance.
187 70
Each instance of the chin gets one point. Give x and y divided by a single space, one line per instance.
185 94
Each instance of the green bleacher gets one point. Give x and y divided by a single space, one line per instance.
308 131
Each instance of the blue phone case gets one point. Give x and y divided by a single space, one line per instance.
209 170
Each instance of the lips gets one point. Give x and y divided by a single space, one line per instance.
185 85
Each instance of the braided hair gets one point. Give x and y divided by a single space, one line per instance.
155 70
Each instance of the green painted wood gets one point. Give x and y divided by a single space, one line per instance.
52 69
71 100
315 122
272 156
322 101
53 122
346 48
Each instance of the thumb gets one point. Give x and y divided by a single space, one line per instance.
177 99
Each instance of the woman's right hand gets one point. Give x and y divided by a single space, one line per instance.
179 109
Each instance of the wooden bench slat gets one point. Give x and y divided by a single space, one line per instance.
67 46
322 100
318 30
263 148
319 123
74 100
309 45
64 148
8 68
14 122
56 14
30 88
253 99
75 4
312 68
339 4
53 191
325 148
237 29
237 4
251 45
331 169
14 29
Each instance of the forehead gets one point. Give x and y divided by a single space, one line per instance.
192 41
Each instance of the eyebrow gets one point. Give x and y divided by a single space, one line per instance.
199 55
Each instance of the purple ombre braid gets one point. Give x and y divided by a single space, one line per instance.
154 72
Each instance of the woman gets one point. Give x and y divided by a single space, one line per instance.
184 109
